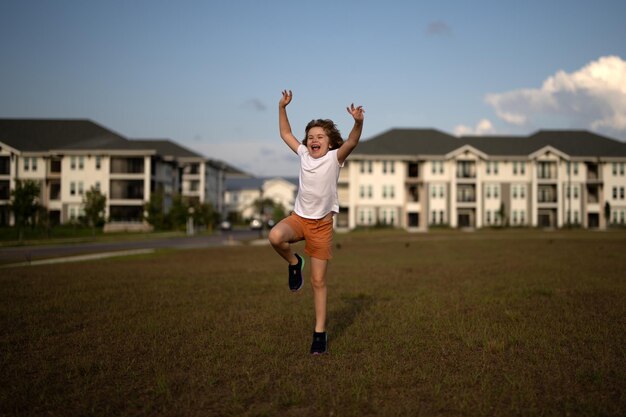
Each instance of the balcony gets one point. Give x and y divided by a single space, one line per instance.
126 190
466 194
593 173
466 169
413 195
593 194
5 165
413 173
546 194
546 170
5 190
54 192
127 166
54 167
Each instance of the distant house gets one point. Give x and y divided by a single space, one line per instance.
241 194
68 157
419 178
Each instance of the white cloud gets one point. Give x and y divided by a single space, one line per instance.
593 97
483 127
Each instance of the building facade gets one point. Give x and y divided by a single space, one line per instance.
69 157
242 194
420 178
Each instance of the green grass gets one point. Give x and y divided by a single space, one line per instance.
496 323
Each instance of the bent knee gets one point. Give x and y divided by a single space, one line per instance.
276 237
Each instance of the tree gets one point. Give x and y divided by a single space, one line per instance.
607 213
95 203
203 214
154 209
24 204
177 216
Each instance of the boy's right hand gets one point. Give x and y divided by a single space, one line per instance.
286 98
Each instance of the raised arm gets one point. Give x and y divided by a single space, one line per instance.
283 122
355 134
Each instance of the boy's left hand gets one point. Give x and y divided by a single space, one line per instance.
356 112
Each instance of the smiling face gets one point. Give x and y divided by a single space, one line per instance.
317 142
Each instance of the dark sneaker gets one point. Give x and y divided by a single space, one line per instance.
320 340
295 274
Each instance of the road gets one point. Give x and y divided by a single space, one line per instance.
32 253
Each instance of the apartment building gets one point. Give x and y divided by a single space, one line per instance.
68 157
420 178
241 194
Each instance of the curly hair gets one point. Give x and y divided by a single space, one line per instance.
329 127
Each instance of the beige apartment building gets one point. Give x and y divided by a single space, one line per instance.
68 157
419 178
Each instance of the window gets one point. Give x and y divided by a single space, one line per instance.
495 168
80 188
384 191
441 191
514 191
522 168
33 162
621 168
488 191
575 192
522 191
496 191
98 162
614 168
72 188
81 162
433 217
441 217
488 167
522 217
621 193
433 190
389 167
73 162
362 191
575 168
369 191
97 186
26 164
488 215
615 193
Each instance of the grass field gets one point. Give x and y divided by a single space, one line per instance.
499 323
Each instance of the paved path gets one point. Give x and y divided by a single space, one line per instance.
21 254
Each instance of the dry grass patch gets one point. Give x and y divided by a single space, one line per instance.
489 323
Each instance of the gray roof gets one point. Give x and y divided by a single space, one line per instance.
166 147
579 143
414 142
40 135
409 142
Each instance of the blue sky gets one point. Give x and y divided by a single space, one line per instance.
208 74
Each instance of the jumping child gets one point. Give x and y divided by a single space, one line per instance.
322 153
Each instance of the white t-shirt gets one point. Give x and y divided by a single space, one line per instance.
317 195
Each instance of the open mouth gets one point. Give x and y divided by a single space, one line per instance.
315 147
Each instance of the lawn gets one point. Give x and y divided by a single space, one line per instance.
497 323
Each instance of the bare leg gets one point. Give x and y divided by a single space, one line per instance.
279 237
318 281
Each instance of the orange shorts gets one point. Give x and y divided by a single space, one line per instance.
318 234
